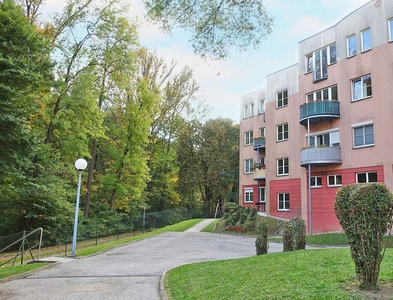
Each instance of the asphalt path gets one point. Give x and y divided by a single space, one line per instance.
132 271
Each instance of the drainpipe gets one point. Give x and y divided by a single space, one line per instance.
309 181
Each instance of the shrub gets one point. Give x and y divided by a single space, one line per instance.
365 213
287 237
261 242
299 233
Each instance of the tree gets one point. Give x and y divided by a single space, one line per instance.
208 156
215 25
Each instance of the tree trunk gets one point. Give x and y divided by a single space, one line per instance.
90 177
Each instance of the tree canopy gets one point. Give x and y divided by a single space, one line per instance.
216 26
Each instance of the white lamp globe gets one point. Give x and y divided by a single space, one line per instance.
80 164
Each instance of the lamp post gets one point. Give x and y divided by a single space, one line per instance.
80 165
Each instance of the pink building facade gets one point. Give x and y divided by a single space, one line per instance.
322 123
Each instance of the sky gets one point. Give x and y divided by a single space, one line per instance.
222 83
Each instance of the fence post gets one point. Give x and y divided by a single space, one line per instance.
23 246
96 234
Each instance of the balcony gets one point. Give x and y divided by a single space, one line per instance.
259 143
319 111
320 156
259 172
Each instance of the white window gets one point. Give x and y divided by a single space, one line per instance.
316 181
366 177
282 166
251 108
282 99
262 196
334 180
262 131
261 106
319 60
351 45
245 111
361 88
329 93
390 26
363 135
248 138
366 39
248 166
283 201
282 132
328 139
248 195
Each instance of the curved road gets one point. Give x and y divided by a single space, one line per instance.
131 271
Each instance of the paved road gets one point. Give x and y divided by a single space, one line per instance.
131 271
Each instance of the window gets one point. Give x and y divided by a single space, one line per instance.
261 106
329 93
334 180
316 181
245 112
282 132
251 108
366 177
390 25
248 195
262 197
282 99
361 88
283 201
318 61
351 45
248 138
248 166
366 39
363 136
282 166
262 131
328 139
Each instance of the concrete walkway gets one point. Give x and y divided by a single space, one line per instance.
132 271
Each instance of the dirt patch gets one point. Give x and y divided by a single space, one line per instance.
383 292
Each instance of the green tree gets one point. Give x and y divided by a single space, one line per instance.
215 26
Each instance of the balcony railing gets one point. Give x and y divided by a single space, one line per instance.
259 173
320 156
319 111
259 143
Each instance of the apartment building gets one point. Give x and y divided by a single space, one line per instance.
323 122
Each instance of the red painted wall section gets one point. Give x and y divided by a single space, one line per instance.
291 186
323 216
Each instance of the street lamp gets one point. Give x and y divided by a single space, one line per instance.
80 165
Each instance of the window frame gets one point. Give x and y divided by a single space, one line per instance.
330 91
262 131
362 88
261 108
316 185
311 59
364 135
281 131
285 202
349 38
283 100
367 176
335 176
248 137
390 29
262 191
364 41
283 164
248 191
248 163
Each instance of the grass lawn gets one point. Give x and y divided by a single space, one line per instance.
8 271
306 274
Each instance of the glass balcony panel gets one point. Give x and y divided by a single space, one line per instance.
319 111
259 143
320 156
